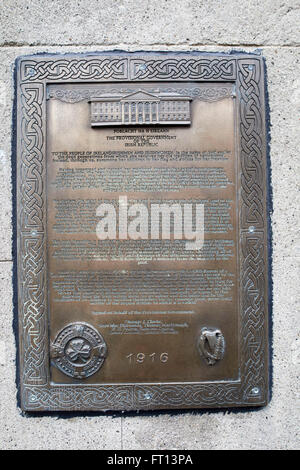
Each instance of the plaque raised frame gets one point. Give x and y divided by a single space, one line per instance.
33 75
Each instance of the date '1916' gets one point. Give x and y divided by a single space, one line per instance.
141 358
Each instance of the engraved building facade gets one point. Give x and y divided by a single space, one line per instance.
141 107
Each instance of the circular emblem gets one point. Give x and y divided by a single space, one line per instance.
78 350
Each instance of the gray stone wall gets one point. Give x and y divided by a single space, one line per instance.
271 26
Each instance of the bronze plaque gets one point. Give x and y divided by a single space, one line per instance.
142 231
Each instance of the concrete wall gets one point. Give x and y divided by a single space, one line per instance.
272 26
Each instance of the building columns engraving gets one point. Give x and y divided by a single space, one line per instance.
123 113
142 110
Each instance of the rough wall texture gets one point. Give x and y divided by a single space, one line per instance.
218 25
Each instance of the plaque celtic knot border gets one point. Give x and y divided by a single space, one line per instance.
34 73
